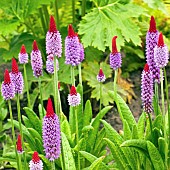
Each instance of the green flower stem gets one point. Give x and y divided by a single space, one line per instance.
53 165
26 85
73 10
13 133
83 9
150 123
72 76
41 99
156 97
115 94
77 135
80 81
20 128
42 20
167 97
100 96
46 16
57 14
56 88
19 157
163 112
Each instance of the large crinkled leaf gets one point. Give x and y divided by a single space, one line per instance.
107 19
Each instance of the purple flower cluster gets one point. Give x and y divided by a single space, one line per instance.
7 87
36 60
16 77
23 56
50 64
36 163
74 98
151 41
72 48
147 89
51 133
161 54
115 56
101 77
53 40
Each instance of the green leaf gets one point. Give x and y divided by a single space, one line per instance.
125 111
87 113
33 118
141 125
102 23
126 130
26 122
65 128
35 134
116 154
135 132
91 158
69 163
96 164
155 156
96 124
161 146
158 122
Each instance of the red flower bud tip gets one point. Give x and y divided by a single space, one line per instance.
101 72
35 47
14 66
52 25
58 85
50 111
152 27
35 157
160 40
71 32
19 145
6 77
23 50
114 47
73 91
146 67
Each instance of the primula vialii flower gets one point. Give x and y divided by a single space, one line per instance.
23 56
51 133
147 89
151 41
101 77
16 77
36 163
72 47
7 87
115 56
19 144
161 54
74 98
50 64
53 40
36 60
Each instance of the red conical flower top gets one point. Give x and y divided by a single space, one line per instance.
71 32
35 157
34 46
101 72
114 47
14 66
19 144
73 91
6 77
152 27
50 110
146 67
23 49
52 24
160 40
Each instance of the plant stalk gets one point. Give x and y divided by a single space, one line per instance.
13 133
26 85
83 9
73 10
100 96
53 165
41 99
56 100
20 128
80 81
157 97
72 76
57 14
42 21
115 85
77 136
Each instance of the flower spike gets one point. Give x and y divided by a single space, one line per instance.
52 25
